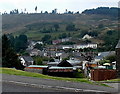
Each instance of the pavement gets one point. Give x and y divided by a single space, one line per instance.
54 85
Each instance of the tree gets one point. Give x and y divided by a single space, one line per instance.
110 32
111 58
38 61
47 39
70 27
54 11
12 39
36 9
104 61
45 12
56 26
63 35
39 46
9 57
20 43
103 11
69 12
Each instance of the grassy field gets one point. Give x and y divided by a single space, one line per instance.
30 74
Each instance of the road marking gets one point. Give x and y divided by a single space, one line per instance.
57 87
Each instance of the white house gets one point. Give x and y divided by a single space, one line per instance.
86 36
65 39
82 46
67 46
91 45
26 60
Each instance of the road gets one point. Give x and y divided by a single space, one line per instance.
13 83
15 87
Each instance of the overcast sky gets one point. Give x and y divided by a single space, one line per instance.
61 5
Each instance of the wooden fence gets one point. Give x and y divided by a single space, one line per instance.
102 74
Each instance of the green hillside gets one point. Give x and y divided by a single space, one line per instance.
35 26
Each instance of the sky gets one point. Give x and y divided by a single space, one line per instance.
49 5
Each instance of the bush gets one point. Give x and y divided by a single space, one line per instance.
111 58
104 61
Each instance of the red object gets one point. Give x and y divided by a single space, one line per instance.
103 74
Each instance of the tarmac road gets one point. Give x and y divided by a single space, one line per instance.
32 84
14 87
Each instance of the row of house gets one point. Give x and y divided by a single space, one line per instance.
79 55
68 67
54 42
68 39
80 46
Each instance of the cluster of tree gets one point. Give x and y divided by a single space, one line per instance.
9 56
39 60
15 11
39 46
64 35
108 59
103 11
91 33
111 39
47 30
50 29
44 27
46 39
71 27
71 12
19 42
54 11
113 11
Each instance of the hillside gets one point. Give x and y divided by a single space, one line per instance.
36 25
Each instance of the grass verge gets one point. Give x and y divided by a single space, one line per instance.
31 74
112 80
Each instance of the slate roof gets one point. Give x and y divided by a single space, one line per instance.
74 62
27 58
104 54
118 45
38 66
61 67
64 63
53 63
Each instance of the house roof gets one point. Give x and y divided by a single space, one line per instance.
118 45
104 54
74 62
27 58
52 63
64 63
61 68
37 66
